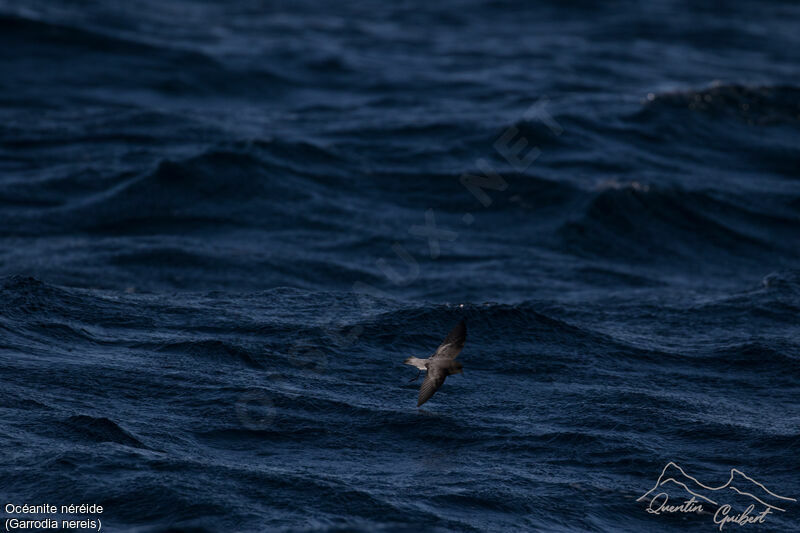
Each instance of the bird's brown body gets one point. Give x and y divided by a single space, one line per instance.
441 364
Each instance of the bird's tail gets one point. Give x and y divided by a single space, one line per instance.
416 362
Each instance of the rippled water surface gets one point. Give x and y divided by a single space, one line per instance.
225 226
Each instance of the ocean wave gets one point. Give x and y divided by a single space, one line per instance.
200 201
762 105
99 429
211 350
169 71
642 222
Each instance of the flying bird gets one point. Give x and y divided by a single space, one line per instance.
441 364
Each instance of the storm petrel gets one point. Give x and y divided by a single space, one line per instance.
441 364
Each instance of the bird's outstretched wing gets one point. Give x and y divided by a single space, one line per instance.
453 343
433 380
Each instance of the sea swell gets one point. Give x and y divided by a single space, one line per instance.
225 227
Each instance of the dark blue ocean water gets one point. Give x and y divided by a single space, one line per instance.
214 257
